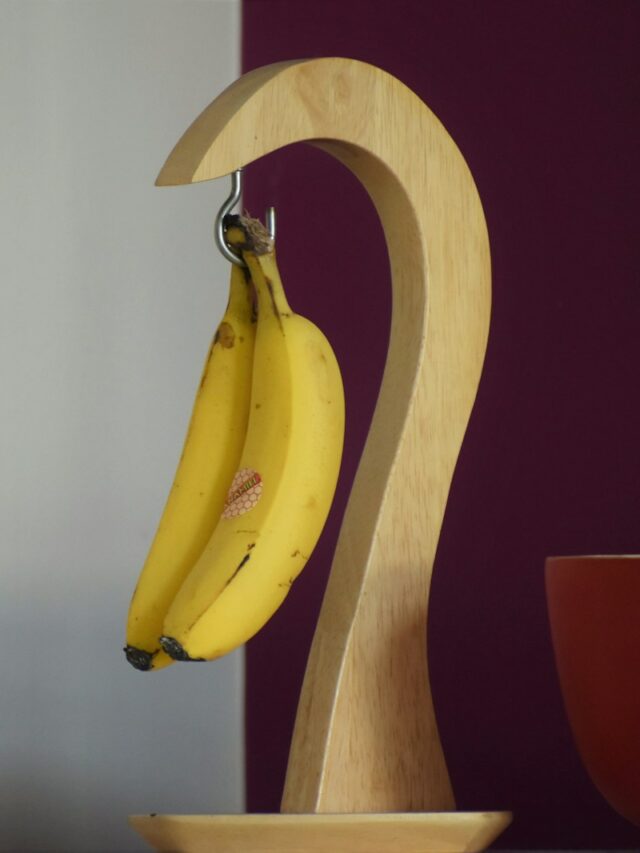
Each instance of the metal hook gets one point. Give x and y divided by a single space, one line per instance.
228 205
234 197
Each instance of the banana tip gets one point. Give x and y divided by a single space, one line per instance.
174 649
138 658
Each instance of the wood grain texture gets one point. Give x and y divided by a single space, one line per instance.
403 833
366 737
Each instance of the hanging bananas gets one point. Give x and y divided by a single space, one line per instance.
256 478
210 457
282 488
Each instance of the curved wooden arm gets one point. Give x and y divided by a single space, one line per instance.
366 738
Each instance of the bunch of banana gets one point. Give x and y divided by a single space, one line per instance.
277 490
209 459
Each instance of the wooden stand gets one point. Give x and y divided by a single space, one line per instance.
453 832
366 768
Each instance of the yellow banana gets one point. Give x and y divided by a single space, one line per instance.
209 460
284 486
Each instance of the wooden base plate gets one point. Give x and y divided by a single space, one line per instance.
412 832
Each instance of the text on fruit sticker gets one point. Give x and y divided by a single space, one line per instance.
244 493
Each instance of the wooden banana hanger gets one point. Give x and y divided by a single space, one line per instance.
366 769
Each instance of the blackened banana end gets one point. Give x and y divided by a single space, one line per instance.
174 649
138 658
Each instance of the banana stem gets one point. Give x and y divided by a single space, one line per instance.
248 234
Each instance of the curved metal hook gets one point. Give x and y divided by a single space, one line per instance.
227 207
231 201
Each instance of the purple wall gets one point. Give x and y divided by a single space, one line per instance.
542 99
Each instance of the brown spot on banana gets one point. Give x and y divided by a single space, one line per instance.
225 335
242 562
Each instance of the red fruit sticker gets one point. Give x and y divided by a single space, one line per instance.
244 493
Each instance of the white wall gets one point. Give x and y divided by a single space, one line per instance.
111 290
